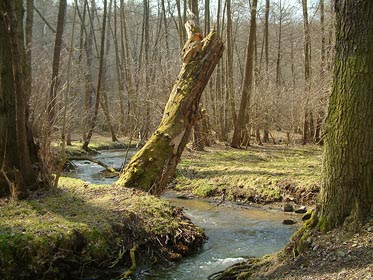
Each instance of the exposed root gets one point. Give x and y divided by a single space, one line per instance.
132 269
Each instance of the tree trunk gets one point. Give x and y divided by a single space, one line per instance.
266 35
247 83
20 168
230 83
198 136
307 74
321 114
99 80
56 62
347 187
105 102
154 165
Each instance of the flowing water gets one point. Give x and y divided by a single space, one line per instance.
234 233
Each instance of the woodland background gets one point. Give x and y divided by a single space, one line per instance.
142 55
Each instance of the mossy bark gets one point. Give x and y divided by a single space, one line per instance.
347 188
155 164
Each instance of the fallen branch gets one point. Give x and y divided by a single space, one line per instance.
104 165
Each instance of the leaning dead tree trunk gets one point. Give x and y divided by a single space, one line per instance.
155 164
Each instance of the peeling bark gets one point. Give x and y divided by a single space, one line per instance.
155 164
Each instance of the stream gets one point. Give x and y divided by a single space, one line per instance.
234 233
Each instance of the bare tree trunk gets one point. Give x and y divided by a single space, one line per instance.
119 70
320 114
247 83
99 80
64 116
125 50
198 135
266 35
88 87
56 62
180 28
207 16
165 27
154 165
230 83
145 125
307 73
105 101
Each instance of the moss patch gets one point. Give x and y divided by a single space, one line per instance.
259 174
79 226
98 143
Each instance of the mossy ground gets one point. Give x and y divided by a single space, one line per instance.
261 174
56 235
98 142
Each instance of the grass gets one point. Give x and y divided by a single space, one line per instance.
80 225
259 174
98 142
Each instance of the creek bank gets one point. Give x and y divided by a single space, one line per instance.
80 229
269 175
334 255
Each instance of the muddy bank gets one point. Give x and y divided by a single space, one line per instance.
80 231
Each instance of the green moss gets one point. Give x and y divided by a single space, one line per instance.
77 225
203 188
258 172
323 224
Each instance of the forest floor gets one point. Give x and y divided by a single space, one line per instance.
267 175
86 224
82 231
274 176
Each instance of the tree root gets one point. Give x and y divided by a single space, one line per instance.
132 269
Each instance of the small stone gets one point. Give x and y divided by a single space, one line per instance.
288 208
340 253
315 247
354 245
288 222
301 210
370 229
306 216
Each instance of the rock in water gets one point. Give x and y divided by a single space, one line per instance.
301 210
288 222
288 207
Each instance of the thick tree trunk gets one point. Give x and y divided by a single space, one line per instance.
19 165
347 188
154 165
